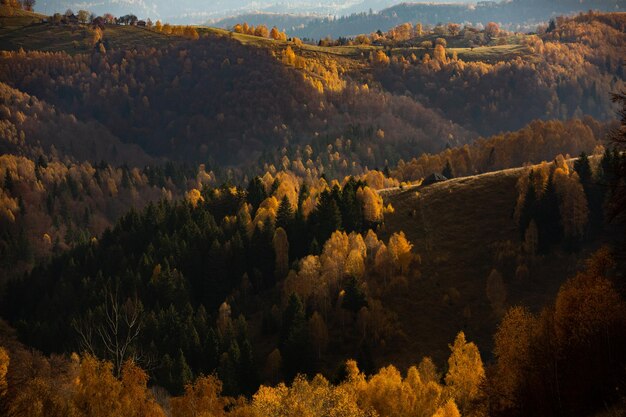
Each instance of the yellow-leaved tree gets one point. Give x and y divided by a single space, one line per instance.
194 197
202 398
465 372
355 266
400 252
372 204
440 54
449 409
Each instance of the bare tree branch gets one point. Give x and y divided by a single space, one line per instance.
111 331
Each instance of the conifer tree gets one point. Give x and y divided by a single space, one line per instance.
529 205
583 168
284 216
256 192
295 340
548 218
327 216
183 374
447 170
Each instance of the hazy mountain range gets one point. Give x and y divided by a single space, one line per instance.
194 11
516 15
320 18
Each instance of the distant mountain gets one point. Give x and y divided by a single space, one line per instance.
286 22
511 13
199 11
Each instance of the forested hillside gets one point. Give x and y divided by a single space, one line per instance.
513 14
196 222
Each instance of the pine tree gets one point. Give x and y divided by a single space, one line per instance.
295 339
617 208
354 298
9 184
447 170
606 167
247 372
548 218
351 212
583 168
182 372
529 206
327 216
284 216
229 367
256 192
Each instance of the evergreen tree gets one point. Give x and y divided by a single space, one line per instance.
256 192
295 339
302 195
182 372
293 314
528 208
606 167
617 208
284 216
228 369
354 298
314 249
548 218
42 161
247 373
327 216
447 170
9 184
350 208
163 374
275 186
583 168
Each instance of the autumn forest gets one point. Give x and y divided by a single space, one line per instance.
421 220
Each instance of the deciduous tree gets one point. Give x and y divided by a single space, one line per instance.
465 372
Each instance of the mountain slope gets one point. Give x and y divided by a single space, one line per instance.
31 128
188 100
520 13
462 229
192 11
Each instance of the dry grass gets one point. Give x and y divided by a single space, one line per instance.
73 39
491 54
458 227
25 30
12 19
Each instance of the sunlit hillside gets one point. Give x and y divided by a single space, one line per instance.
413 217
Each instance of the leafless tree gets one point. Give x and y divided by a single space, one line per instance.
109 332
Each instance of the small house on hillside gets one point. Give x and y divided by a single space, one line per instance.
141 23
433 179
70 19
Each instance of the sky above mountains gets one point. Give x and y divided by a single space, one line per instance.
197 11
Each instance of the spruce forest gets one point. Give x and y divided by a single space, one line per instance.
414 211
